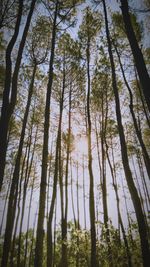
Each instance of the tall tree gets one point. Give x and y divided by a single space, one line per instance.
11 83
101 98
125 161
6 92
137 53
137 130
62 11
87 33
15 180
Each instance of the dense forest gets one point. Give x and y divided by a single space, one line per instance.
74 133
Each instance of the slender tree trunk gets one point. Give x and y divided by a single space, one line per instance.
84 208
145 211
26 181
18 210
146 112
51 212
64 236
8 107
31 258
40 231
78 214
125 161
84 196
136 51
63 262
48 183
128 215
6 93
56 171
5 204
104 184
14 186
138 185
23 204
113 174
54 252
137 130
72 199
91 190
28 219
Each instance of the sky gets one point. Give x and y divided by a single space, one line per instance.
81 147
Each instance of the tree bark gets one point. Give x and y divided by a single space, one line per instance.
28 219
6 93
137 130
64 248
14 186
114 182
91 190
136 51
125 161
25 186
51 212
42 198
18 209
72 198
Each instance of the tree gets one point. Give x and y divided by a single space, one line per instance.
136 51
6 93
10 88
128 174
62 10
87 33
6 14
15 180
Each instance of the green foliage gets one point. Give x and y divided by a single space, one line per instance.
90 27
65 139
78 247
120 27
39 39
30 250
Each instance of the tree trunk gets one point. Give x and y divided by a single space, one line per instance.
146 111
18 209
78 214
56 171
64 237
136 51
91 191
137 130
128 215
48 182
32 243
141 170
125 161
104 184
72 199
26 181
14 186
115 186
8 107
63 262
51 212
6 93
54 252
28 219
6 198
84 196
40 231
